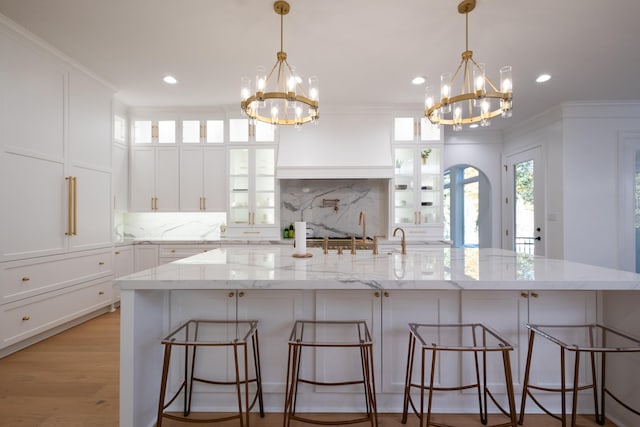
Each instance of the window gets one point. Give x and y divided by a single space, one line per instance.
142 132
167 131
119 128
191 131
463 199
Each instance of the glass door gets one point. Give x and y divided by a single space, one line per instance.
525 203
239 208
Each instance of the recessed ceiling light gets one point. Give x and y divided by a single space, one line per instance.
170 80
473 126
418 80
543 78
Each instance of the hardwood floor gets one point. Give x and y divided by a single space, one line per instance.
71 380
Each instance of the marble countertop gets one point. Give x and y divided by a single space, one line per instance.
274 267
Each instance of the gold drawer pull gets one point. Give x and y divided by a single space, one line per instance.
117 252
101 293
386 294
524 295
240 294
101 263
25 318
231 294
534 294
377 294
173 251
25 279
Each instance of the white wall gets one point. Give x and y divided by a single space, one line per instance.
591 134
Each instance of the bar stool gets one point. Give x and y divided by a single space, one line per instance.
588 339
225 339
342 337
474 338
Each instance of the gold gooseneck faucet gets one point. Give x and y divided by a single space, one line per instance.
403 242
363 222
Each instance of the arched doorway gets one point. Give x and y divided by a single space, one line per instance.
467 207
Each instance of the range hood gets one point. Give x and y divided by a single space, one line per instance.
349 146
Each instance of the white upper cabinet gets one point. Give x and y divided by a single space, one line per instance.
202 179
154 179
89 133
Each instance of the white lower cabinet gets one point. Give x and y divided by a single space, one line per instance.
170 253
388 314
508 312
41 294
145 257
123 265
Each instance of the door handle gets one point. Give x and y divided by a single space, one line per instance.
538 238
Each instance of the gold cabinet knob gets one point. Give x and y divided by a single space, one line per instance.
241 294
25 318
534 294
117 252
26 279
524 295
386 294
101 293
231 294
377 294
173 251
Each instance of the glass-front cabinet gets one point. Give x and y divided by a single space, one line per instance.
252 192
417 184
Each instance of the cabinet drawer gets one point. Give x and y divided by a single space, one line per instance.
253 233
31 316
23 279
183 251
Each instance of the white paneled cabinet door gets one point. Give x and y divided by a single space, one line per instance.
559 308
92 222
215 180
167 176
348 305
276 311
399 308
90 122
34 208
506 312
154 179
142 179
191 179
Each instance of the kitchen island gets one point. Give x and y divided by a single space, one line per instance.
501 288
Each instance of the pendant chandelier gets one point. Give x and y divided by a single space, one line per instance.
479 99
278 97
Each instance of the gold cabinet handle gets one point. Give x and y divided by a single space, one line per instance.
117 252
204 203
231 294
377 294
26 279
101 293
173 251
534 294
25 318
101 263
75 207
524 295
240 294
69 231
386 294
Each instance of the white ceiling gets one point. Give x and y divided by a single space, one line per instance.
363 51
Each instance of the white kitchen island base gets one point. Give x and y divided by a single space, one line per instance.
388 291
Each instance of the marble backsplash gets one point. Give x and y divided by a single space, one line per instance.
168 226
331 207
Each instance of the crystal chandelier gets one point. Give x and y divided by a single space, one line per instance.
479 100
278 97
